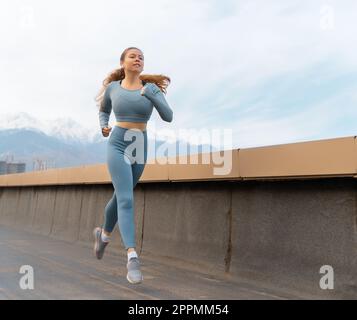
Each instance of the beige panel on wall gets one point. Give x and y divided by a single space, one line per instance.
97 173
155 169
311 159
44 177
73 175
205 166
322 157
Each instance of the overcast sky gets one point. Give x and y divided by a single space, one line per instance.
272 71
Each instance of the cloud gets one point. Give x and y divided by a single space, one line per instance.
225 59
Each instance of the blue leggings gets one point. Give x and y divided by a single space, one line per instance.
126 159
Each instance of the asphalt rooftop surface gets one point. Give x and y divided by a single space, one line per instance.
64 270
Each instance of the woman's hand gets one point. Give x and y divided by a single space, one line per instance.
105 131
149 89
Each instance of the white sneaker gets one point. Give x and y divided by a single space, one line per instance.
134 274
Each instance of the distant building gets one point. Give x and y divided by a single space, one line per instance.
3 167
12 167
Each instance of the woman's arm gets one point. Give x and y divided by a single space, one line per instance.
155 95
105 109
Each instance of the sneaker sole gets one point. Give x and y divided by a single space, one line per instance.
133 282
96 244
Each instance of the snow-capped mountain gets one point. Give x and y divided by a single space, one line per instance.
31 147
62 128
63 142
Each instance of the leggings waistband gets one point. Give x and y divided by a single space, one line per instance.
125 136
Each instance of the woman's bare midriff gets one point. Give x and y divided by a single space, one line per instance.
131 125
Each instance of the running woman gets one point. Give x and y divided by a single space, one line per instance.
132 98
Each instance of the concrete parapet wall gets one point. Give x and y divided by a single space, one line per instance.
276 232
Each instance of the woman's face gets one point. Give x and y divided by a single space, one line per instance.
134 61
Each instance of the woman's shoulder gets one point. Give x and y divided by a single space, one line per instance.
114 82
111 85
153 87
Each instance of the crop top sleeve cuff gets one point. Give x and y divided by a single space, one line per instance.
103 119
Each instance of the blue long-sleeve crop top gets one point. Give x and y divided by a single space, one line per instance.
130 105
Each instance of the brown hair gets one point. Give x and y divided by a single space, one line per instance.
160 80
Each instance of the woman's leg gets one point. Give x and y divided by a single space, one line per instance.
122 178
110 215
110 212
138 167
125 174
